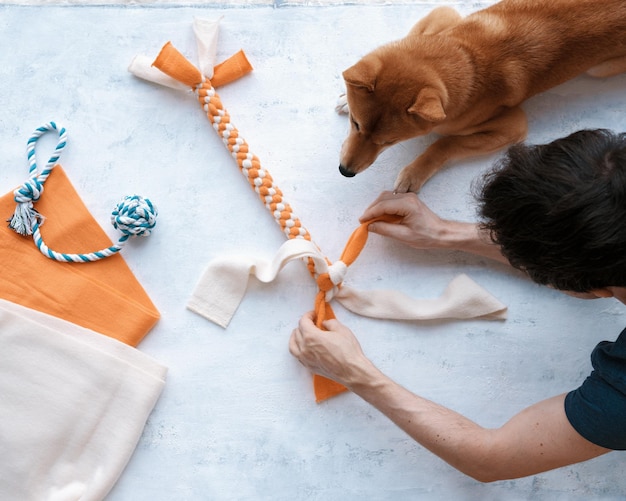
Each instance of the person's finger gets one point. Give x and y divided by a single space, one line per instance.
294 343
379 206
382 228
393 230
307 320
331 324
382 196
400 204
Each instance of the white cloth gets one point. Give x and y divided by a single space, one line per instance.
223 285
141 66
206 31
73 405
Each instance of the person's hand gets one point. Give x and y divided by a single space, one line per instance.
335 353
418 227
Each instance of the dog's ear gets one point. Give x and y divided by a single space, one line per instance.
363 74
428 105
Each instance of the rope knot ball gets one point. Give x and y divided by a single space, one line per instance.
134 216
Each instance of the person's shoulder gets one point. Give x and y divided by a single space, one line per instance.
597 409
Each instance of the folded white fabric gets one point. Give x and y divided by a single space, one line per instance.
73 405
223 285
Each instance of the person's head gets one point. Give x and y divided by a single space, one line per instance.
558 211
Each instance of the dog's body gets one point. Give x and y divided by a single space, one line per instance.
464 78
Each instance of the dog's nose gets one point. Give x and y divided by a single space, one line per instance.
345 172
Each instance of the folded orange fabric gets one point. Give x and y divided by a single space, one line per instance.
173 63
103 296
231 69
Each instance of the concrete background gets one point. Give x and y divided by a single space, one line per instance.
237 420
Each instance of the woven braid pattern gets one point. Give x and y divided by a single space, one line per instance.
250 166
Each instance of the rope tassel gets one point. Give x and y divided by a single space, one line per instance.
133 216
25 218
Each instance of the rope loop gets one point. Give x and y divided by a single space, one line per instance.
52 161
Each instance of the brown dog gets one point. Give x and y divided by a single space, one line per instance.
464 78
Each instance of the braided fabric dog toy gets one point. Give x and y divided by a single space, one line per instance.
174 70
132 216
171 62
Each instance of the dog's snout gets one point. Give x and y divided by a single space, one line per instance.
345 172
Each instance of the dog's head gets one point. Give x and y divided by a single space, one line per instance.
390 100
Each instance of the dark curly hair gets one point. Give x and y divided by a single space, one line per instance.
558 210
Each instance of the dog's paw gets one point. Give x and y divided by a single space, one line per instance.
408 181
342 105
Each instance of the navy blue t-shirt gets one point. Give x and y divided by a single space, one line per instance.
597 410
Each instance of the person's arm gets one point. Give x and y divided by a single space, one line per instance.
423 229
539 438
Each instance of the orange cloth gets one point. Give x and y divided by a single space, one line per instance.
171 62
231 69
103 296
326 388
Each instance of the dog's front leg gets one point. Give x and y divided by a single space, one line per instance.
508 127
609 68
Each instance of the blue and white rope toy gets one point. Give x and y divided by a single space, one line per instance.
133 216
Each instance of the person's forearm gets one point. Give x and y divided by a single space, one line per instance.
455 439
468 237
537 439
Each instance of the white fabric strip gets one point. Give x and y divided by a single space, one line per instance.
223 285
141 66
206 31
72 409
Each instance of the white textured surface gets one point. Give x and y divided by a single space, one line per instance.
237 418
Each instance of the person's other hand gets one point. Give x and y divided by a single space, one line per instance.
334 353
418 227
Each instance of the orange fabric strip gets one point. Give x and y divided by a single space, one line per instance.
231 69
174 64
326 388
103 296
171 62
